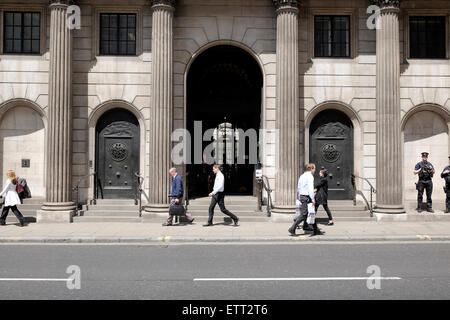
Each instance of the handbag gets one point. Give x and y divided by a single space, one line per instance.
311 214
19 188
176 209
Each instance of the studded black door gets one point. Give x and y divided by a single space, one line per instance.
117 155
331 146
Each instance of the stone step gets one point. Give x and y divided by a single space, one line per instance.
112 202
29 207
99 213
109 207
89 219
35 201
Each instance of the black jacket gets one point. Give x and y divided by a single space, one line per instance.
322 191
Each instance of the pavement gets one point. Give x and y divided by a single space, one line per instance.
295 271
129 232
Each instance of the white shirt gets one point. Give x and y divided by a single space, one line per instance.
306 185
219 182
10 194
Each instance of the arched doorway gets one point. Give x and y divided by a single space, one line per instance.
425 131
22 147
331 146
224 90
117 154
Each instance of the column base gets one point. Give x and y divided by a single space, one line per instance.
44 216
284 209
156 208
389 209
56 212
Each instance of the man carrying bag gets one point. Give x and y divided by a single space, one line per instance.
306 193
176 194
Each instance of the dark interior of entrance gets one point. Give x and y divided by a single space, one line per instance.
224 88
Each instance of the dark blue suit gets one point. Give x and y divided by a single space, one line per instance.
177 188
177 192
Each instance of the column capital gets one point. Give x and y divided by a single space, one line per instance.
62 2
386 4
165 3
286 4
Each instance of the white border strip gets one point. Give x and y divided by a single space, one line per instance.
299 279
34 279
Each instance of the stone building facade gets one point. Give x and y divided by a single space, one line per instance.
314 75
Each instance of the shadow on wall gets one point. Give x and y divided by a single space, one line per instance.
425 131
22 137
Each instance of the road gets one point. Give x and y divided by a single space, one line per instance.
227 271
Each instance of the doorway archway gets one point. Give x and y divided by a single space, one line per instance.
224 95
331 146
117 154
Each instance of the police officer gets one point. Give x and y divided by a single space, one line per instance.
425 170
446 175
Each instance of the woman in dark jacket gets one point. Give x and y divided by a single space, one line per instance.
322 194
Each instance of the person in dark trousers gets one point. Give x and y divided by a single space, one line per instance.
218 197
176 195
425 170
11 199
446 176
321 189
305 190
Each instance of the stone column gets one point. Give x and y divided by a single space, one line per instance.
162 104
389 197
59 206
288 151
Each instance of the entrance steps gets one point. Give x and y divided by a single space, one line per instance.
245 207
109 210
28 209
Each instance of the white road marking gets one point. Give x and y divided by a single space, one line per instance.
35 279
299 279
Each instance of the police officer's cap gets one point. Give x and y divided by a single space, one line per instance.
425 154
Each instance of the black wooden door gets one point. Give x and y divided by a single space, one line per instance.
331 146
117 155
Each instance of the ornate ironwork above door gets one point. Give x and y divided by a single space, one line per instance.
119 129
332 130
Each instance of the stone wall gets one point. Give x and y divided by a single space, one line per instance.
346 84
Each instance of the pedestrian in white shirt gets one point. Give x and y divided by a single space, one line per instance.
218 196
11 199
305 191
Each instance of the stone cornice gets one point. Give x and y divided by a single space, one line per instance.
170 3
386 3
63 2
280 4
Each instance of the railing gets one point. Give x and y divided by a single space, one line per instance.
263 183
139 190
372 191
76 188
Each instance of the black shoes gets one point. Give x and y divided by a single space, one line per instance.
166 224
419 209
236 222
446 211
308 228
292 232
430 210
317 233
208 225
331 223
